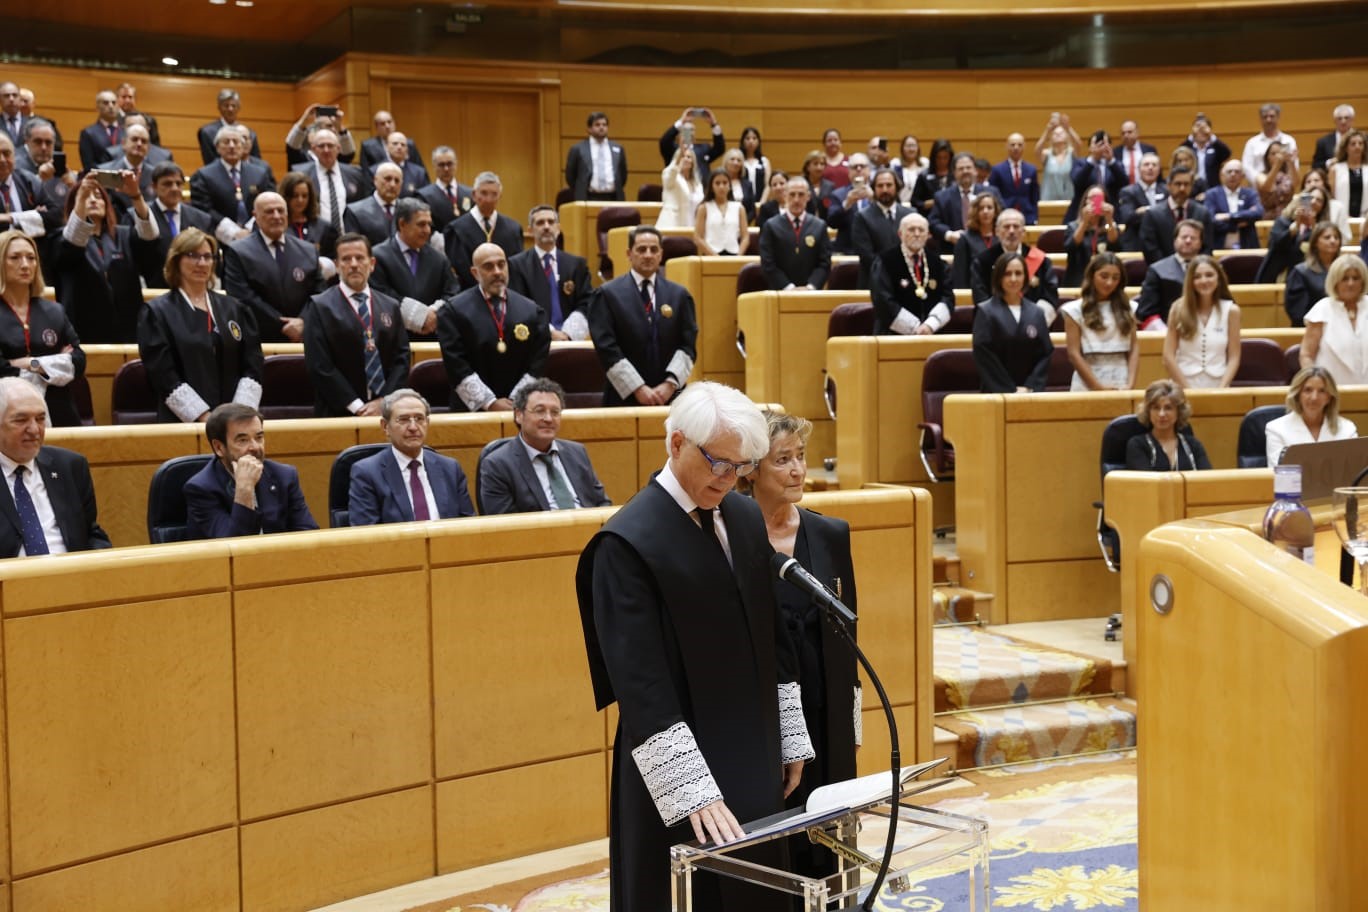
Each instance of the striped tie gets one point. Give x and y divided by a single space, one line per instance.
375 373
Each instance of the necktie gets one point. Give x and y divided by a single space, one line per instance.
451 195
413 261
334 210
420 504
560 491
1132 166
1016 174
375 374
653 345
705 522
171 223
14 129
4 197
548 267
113 132
35 542
964 208
797 226
237 192
488 228
888 214
389 211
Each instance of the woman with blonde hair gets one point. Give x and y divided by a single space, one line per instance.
681 190
1202 348
37 341
1168 445
1312 414
1336 336
1346 174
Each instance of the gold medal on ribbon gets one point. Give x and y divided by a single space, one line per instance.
810 241
666 311
501 347
568 287
921 292
520 332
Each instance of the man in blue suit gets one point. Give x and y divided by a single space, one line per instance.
1015 180
1234 210
242 492
406 482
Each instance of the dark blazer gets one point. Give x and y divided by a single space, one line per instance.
151 255
1209 160
871 233
178 348
379 492
1305 286
1119 153
925 189
784 259
892 289
1026 197
509 484
271 290
1131 200
122 202
466 233
1040 281
1325 149
527 277
49 331
66 475
469 341
1157 225
704 152
211 189
206 141
211 513
843 219
415 177
945 209
335 349
579 169
98 285
621 330
94 145
444 212
434 282
967 249
1284 249
320 232
1009 353
1085 175
1242 219
1162 286
355 180
368 217
373 153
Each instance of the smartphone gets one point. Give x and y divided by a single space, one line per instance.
883 145
59 163
110 180
698 112
325 111
1097 205
1305 199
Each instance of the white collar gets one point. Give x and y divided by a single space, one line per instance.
666 479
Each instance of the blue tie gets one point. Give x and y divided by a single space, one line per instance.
171 223
413 261
35 542
556 318
375 374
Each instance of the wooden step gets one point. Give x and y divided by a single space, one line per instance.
1039 731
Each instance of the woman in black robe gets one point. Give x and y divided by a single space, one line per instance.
37 341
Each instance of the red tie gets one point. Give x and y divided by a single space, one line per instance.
1016 174
1132 166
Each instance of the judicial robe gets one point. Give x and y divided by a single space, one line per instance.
694 653
185 357
49 332
1009 352
469 340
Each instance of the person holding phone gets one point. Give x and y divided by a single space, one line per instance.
1092 233
683 132
318 117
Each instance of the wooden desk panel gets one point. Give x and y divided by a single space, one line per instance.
711 282
579 226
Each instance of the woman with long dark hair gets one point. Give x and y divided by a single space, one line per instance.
1202 348
1100 329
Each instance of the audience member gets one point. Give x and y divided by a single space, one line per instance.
908 166
1011 335
172 216
720 227
952 212
758 169
132 157
1202 348
374 151
734 166
1132 151
1346 176
795 250
374 215
537 469
596 167
1094 232
300 141
1209 151
877 150
908 286
105 133
1165 278
644 328
229 106
412 271
482 225
27 110
355 345
38 159
240 491
820 190
494 341
938 175
228 186
1041 286
1057 159
772 201
1015 180
681 133
848 200
38 344
49 496
97 273
447 197
199 347
681 190
301 204
1306 280
12 119
127 96
1291 230
336 184
21 195
36 150
1100 329
1335 338
1099 169
1278 180
1312 415
556 280
1168 445
1327 147
978 237
1315 179
1183 157
415 176
1234 209
273 273
835 166
1156 226
154 154
983 169
875 227
1257 145
406 481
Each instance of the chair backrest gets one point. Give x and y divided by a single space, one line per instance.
133 399
286 391
673 246
80 397
1135 272
1293 361
1262 363
1241 268
844 276
1059 377
853 319
563 196
650 193
1114 440
479 464
339 480
1251 446
750 278
1052 240
580 372
950 370
429 379
610 217
166 497
961 320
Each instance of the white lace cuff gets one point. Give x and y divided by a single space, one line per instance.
859 716
77 231
29 221
475 393
794 743
226 231
146 228
185 403
675 773
625 379
60 369
1049 311
938 317
576 326
522 381
904 324
414 313
248 392
680 366
327 267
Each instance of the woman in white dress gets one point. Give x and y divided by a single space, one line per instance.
1202 348
720 227
1336 335
681 191
1099 329
1312 414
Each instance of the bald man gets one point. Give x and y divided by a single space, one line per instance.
373 150
415 175
1016 181
105 132
272 272
374 215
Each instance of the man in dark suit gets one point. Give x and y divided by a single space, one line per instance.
103 133
482 225
875 227
1328 145
172 217
373 150
154 155
229 105
133 157
1163 282
12 119
374 215
299 141
952 207
227 187
127 97
1131 151
494 341
1234 210
241 492
415 176
1100 168
795 251
406 481
22 193
909 290
596 168
412 271
447 196
556 280
337 184
48 505
535 470
355 345
644 327
1137 198
28 112
273 272
704 152
1156 228
1041 286
846 201
1016 181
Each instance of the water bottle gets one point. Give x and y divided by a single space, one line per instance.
1288 523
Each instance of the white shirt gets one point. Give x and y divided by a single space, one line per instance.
602 152
1257 146
667 480
34 484
422 478
543 476
331 176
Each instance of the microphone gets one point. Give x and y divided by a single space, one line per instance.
788 569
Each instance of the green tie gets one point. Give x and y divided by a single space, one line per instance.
560 490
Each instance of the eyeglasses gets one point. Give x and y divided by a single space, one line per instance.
721 467
543 411
200 257
410 420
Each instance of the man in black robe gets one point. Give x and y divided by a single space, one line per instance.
682 631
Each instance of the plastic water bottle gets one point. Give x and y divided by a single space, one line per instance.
1288 523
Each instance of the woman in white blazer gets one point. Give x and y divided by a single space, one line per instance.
1347 174
681 190
1312 414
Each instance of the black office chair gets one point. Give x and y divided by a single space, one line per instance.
1251 449
339 480
479 464
1113 456
166 520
